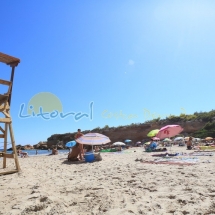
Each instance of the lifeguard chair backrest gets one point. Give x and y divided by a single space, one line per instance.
4 97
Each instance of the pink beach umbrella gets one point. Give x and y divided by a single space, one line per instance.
169 131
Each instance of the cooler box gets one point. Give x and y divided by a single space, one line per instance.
89 157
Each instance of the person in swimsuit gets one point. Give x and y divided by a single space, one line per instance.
73 155
81 154
189 143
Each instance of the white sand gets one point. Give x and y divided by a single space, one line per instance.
116 185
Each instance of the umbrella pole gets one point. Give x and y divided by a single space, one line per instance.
170 147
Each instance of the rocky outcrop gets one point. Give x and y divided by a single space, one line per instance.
134 132
26 147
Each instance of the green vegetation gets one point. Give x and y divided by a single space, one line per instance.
207 131
106 127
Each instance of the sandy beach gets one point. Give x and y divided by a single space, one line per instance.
119 184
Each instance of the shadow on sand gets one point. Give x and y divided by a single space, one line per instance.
73 162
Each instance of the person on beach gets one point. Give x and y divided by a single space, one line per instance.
189 143
54 151
81 154
73 155
152 146
22 154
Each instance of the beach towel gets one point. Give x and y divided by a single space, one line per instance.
108 150
178 161
206 147
202 153
156 150
165 155
171 163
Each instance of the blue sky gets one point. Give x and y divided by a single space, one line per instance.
138 58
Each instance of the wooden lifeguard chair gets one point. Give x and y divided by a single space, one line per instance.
5 102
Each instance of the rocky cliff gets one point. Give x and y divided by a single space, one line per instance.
134 132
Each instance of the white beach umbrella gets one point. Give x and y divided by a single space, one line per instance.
178 138
119 144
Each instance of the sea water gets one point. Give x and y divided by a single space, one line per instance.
32 152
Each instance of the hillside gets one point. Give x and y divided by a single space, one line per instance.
198 125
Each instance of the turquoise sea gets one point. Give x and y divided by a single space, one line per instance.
40 152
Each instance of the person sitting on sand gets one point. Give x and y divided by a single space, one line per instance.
119 148
96 149
24 154
152 146
54 151
19 152
73 155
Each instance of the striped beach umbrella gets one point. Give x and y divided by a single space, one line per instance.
93 139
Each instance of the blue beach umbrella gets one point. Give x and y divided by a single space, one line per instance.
127 141
70 144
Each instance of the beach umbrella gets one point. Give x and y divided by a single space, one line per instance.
169 131
178 138
128 141
138 143
209 138
93 139
167 140
156 138
187 138
70 144
196 139
119 144
153 133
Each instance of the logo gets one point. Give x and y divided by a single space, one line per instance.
166 132
48 106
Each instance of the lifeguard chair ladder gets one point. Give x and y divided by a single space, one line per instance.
5 103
